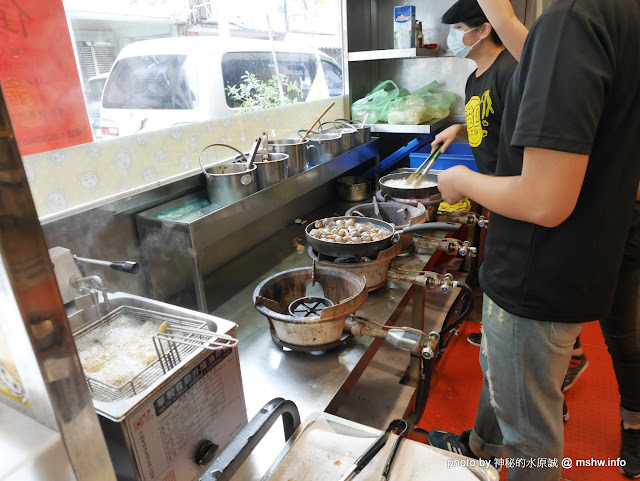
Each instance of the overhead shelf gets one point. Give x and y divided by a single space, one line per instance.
394 53
410 129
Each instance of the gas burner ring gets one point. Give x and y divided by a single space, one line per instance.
309 306
382 198
351 260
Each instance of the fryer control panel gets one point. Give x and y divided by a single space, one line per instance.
203 403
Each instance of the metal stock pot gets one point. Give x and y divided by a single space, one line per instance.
353 188
347 132
227 181
298 160
270 171
364 131
327 146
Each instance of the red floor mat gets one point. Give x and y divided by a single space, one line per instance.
455 386
593 429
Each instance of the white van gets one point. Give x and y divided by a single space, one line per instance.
156 84
93 95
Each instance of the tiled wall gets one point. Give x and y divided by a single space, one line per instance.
75 179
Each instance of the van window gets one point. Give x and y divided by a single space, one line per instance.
152 82
299 67
95 86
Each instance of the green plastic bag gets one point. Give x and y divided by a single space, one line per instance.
375 105
421 106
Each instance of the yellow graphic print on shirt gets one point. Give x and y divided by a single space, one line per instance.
476 111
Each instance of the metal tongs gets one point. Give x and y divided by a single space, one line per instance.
417 177
399 423
265 147
376 446
253 152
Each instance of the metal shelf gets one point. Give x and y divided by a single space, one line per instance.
410 129
395 53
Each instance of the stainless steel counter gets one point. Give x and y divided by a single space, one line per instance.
315 382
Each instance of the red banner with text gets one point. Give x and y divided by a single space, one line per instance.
39 76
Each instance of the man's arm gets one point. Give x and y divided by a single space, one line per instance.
545 193
504 21
448 135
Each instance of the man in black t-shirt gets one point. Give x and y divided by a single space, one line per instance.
562 200
473 37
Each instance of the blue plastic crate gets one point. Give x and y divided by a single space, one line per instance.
456 154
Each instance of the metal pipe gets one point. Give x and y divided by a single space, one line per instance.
122 266
95 281
360 329
94 295
425 279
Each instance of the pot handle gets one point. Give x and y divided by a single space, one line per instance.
435 199
301 132
351 128
207 174
432 227
363 123
315 153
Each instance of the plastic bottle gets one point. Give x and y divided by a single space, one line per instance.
429 38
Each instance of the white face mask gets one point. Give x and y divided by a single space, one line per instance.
456 44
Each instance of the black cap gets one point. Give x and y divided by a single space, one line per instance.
464 10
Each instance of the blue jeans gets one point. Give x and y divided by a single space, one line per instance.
519 415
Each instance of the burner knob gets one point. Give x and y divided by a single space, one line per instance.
429 350
465 249
205 451
446 283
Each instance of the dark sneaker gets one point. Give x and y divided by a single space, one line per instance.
475 338
577 365
630 452
456 443
565 411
